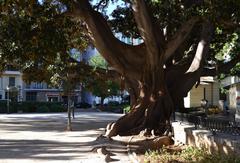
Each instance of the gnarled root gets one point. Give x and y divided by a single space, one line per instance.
110 130
140 143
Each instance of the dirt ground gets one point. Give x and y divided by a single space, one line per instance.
42 138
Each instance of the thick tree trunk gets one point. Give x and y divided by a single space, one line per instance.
161 91
152 109
155 91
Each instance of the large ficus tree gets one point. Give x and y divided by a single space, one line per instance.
180 41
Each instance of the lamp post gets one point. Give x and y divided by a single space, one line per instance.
8 99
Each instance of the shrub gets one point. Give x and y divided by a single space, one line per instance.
126 108
56 108
3 106
189 154
28 107
42 109
12 107
83 105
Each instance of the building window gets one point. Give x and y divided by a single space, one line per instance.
36 85
11 68
11 81
0 97
31 96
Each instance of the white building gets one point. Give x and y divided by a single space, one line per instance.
14 88
11 85
208 89
232 84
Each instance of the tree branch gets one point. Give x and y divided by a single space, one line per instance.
202 48
229 24
181 79
179 37
99 72
119 55
148 29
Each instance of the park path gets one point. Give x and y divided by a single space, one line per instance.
41 138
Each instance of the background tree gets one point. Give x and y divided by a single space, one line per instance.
102 87
65 79
180 42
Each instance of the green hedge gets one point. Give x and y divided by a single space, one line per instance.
32 107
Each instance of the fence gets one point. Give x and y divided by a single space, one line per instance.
213 124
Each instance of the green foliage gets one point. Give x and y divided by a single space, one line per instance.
127 109
98 61
113 107
123 21
230 48
37 37
100 86
13 107
56 107
170 15
105 88
30 107
42 109
188 155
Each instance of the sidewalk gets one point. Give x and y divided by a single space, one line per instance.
41 138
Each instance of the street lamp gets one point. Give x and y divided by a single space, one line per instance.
8 99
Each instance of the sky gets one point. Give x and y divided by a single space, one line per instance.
112 6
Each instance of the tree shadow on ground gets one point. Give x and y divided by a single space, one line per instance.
57 124
56 150
44 138
40 149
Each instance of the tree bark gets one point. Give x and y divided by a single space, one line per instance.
69 123
161 91
156 89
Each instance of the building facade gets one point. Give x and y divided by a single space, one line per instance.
208 89
232 85
13 87
44 93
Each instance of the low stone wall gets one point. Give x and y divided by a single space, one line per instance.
223 143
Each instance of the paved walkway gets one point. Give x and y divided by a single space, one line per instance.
41 138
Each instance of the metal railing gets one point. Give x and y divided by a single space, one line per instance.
215 125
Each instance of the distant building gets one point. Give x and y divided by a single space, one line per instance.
14 88
11 85
42 92
88 97
232 84
128 40
208 89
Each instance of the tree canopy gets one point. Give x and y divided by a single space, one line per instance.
38 35
100 86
